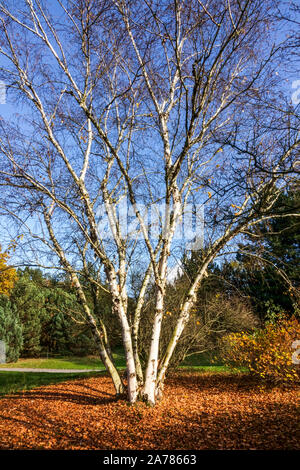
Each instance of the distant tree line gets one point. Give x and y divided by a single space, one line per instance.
41 316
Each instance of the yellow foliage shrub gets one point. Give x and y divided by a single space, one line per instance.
267 353
8 276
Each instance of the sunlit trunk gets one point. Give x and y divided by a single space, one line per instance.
132 384
149 389
111 369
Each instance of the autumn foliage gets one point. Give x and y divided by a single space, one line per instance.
267 353
8 276
198 411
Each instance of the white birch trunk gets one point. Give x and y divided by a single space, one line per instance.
149 389
132 383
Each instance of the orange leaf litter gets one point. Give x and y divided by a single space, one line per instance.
198 411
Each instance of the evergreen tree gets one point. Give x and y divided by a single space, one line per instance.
10 329
268 264
28 298
63 331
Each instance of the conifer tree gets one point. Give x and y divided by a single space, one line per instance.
10 329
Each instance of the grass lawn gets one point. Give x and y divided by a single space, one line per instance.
196 362
88 362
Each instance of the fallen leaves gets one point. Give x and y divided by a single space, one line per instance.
198 411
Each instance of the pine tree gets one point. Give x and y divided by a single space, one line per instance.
29 299
10 329
268 268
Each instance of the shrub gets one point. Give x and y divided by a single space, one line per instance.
267 353
210 319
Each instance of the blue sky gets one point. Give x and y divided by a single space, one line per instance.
10 111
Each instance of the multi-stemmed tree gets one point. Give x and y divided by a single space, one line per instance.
157 107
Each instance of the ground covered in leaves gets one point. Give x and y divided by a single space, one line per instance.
198 411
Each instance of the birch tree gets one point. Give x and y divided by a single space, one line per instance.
140 105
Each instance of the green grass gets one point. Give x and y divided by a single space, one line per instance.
196 362
84 363
12 382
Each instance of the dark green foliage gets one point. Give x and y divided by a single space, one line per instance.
10 329
52 319
268 265
64 330
29 299
56 334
